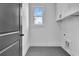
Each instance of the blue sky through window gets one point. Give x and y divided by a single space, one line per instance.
38 11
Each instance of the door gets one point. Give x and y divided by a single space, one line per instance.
10 29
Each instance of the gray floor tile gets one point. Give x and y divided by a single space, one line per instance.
46 51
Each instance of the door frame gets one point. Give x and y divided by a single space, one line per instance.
25 27
20 30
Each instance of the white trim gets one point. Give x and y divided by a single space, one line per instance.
9 33
45 44
8 47
25 27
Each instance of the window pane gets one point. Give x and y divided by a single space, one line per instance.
38 11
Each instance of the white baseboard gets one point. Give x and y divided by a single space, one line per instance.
45 44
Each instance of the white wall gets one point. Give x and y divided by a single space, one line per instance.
25 27
70 26
48 34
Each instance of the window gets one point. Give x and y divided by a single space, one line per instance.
38 15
